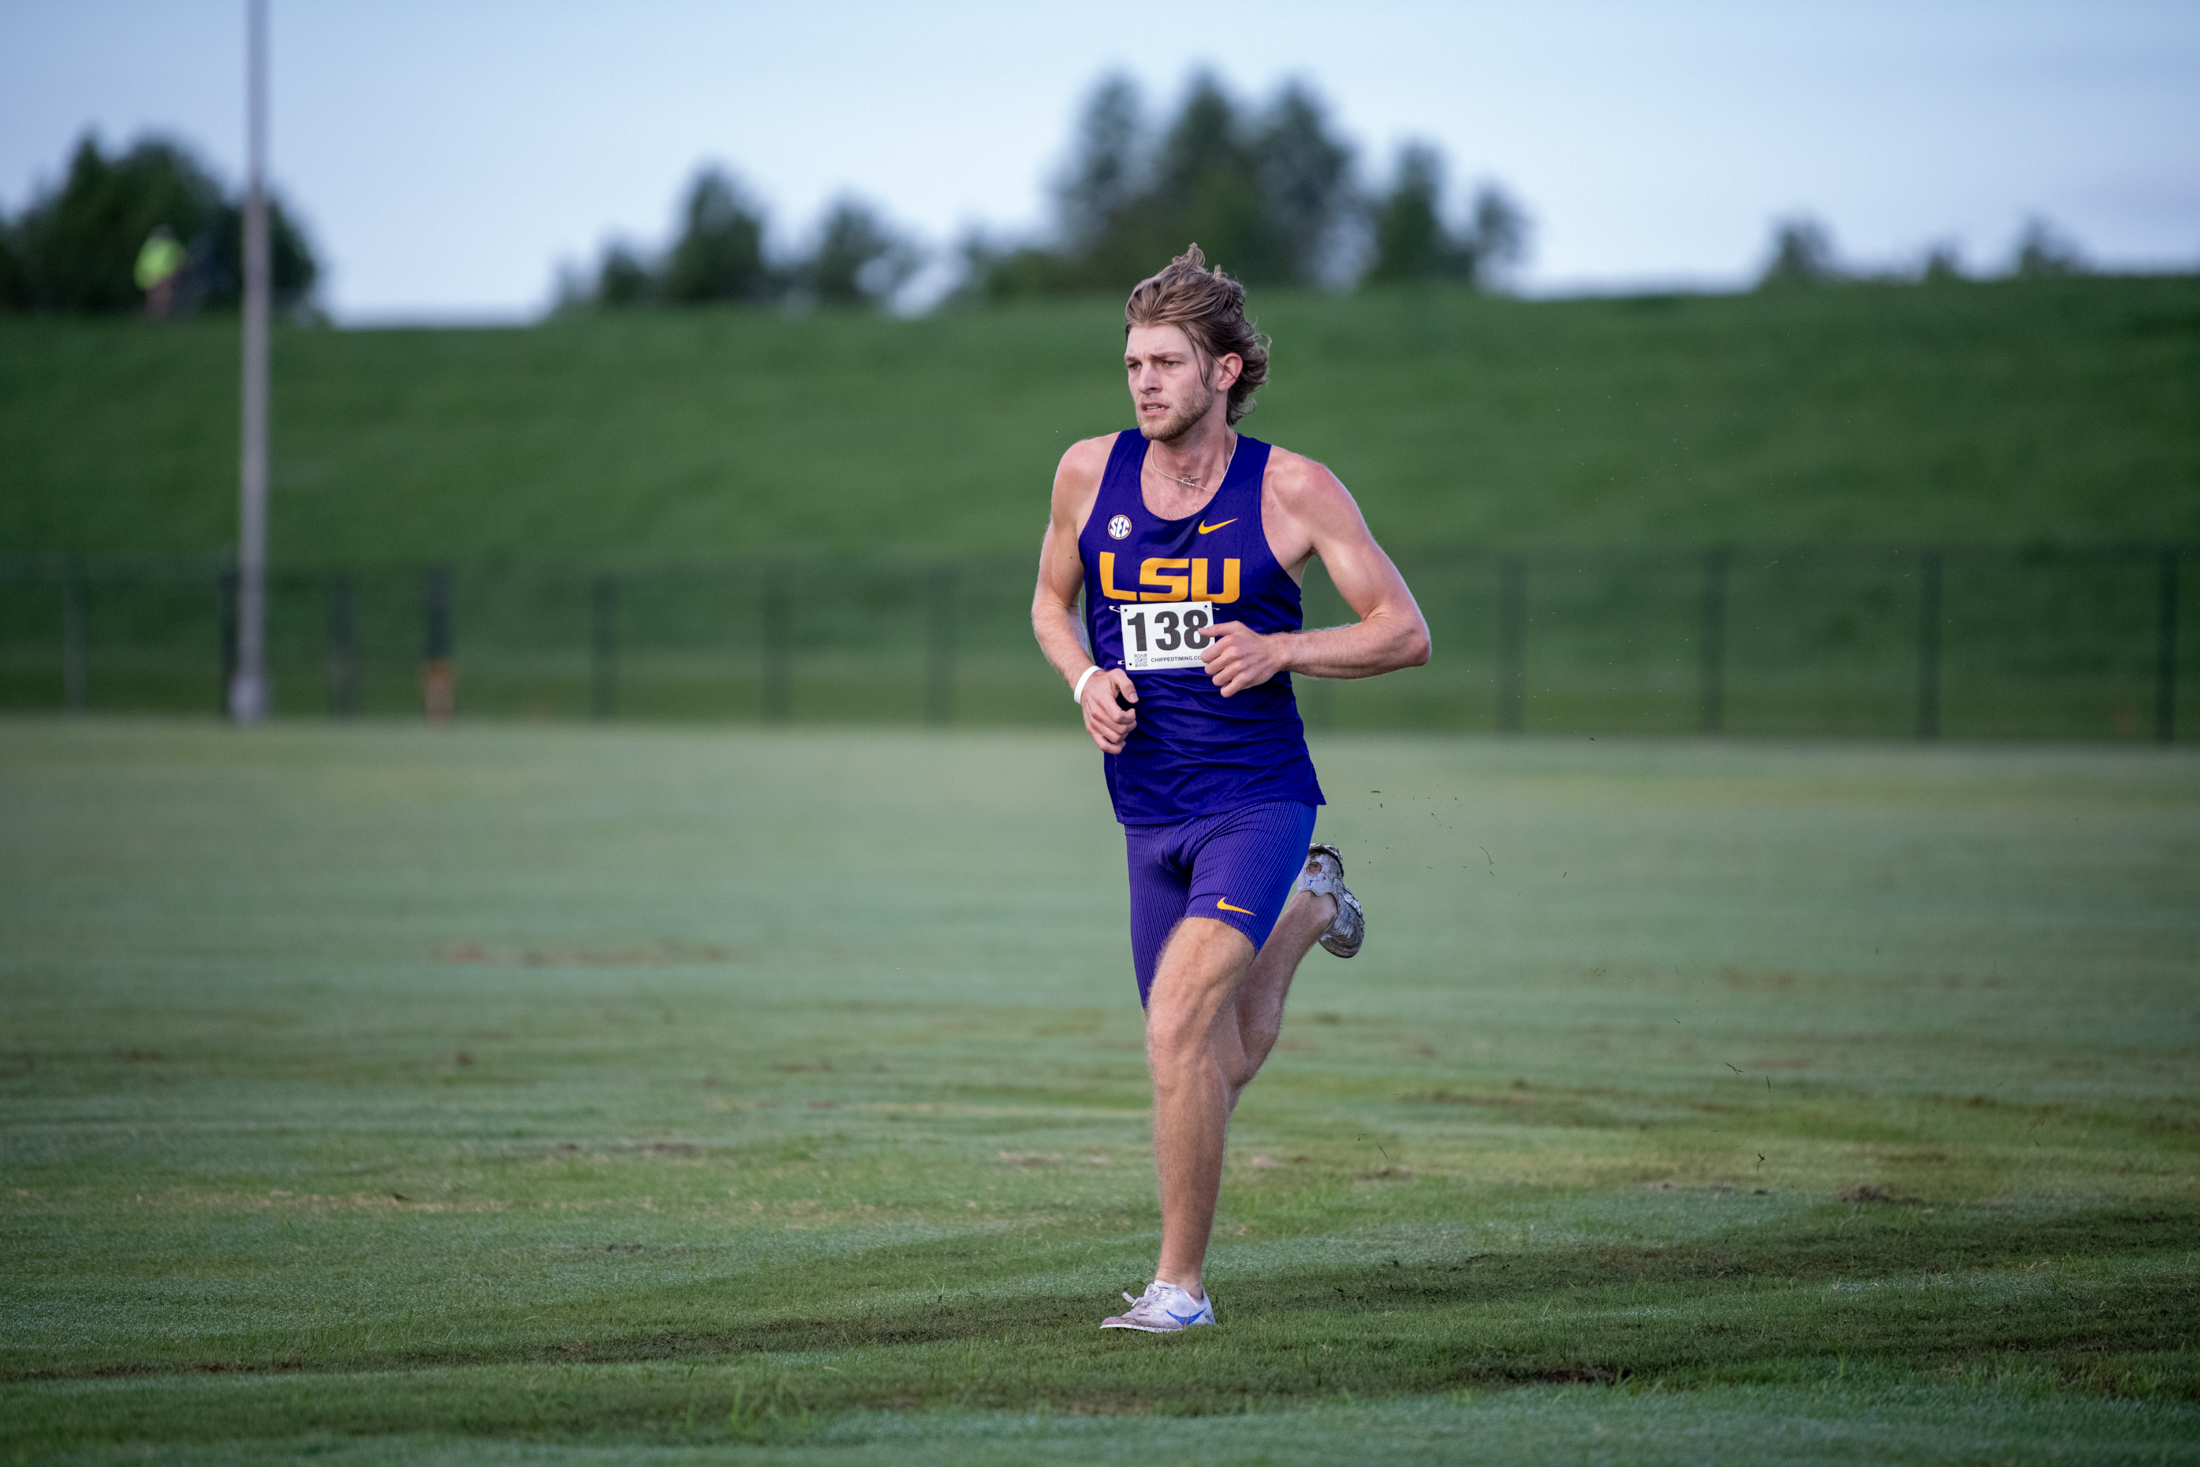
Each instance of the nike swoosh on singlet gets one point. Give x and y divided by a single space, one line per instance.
1228 908
1207 529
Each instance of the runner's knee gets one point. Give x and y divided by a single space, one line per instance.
1176 1035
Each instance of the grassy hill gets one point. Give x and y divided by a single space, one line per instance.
2015 411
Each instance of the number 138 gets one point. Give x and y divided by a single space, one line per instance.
1171 631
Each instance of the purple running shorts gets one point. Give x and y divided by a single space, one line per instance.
1238 867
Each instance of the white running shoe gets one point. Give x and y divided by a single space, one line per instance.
1324 876
1162 1310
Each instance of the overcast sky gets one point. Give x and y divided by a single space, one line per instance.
447 157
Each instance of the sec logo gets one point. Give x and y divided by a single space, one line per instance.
1119 528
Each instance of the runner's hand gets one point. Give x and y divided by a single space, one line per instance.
1238 657
1108 723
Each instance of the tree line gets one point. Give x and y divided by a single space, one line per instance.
77 245
719 254
1271 193
1802 253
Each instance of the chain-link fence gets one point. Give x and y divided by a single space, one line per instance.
1970 642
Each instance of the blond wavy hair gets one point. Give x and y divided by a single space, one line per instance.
1210 308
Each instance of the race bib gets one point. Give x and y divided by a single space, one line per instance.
1170 634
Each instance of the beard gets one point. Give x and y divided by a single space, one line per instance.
1179 420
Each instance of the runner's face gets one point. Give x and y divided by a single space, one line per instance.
1171 387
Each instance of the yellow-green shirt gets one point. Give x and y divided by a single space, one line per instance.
161 258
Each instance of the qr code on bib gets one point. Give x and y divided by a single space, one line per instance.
1172 634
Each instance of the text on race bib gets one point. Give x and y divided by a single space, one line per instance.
1171 634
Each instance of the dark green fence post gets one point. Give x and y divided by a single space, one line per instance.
1712 642
1928 644
73 655
939 662
225 592
603 667
439 673
1512 644
343 648
778 655
2165 649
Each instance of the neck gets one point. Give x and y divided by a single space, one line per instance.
1198 454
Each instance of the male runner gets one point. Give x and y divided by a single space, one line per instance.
1190 541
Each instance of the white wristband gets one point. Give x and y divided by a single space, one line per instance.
1077 694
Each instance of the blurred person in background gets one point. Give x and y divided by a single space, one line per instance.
159 264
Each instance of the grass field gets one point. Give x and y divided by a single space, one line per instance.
566 1095
2010 412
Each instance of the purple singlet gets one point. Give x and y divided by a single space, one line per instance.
1194 751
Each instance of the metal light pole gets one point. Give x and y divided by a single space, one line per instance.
248 688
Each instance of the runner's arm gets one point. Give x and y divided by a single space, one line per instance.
1390 633
1054 601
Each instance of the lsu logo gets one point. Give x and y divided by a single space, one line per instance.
1172 578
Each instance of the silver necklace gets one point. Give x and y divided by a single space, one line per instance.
1191 483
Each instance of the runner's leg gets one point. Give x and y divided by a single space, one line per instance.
1262 849
1195 989
1244 865
1248 1031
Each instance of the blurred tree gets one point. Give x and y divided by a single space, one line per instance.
1500 231
1802 254
14 286
80 242
2046 253
1264 195
860 259
1106 178
76 247
1412 242
623 278
1305 180
993 271
719 255
219 259
1943 265
1206 189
